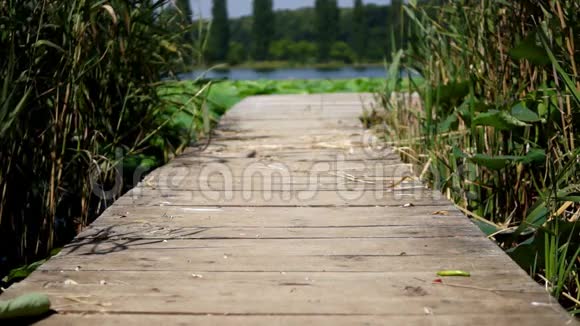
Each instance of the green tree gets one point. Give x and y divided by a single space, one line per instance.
236 54
280 50
327 26
300 25
360 30
304 52
342 52
262 28
301 52
219 40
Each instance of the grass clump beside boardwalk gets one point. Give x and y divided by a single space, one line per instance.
78 98
498 126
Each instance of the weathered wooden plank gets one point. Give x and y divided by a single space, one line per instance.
164 232
345 123
312 99
338 168
274 183
292 185
305 293
313 246
191 178
233 131
297 168
296 154
203 261
98 319
329 139
296 114
283 216
150 197
480 281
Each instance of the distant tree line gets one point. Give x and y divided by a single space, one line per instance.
364 33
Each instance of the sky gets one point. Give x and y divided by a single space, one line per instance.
237 8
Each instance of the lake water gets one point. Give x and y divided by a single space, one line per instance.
289 73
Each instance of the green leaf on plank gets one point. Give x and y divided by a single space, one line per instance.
453 273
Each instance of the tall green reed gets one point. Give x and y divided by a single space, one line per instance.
497 129
80 98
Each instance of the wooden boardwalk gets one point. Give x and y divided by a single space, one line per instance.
293 215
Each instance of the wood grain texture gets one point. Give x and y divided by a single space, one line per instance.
293 215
